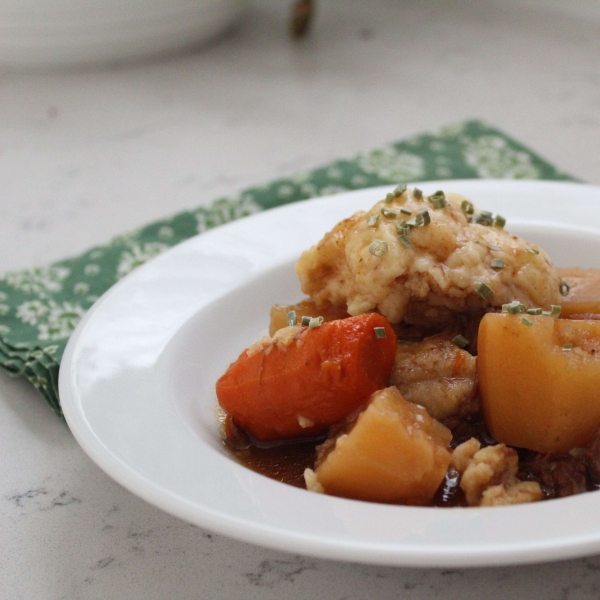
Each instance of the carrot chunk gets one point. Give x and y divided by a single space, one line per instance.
303 380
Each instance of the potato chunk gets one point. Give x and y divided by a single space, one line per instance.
540 384
584 293
394 452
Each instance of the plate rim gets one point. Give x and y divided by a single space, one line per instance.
273 537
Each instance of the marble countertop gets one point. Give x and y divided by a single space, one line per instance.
90 154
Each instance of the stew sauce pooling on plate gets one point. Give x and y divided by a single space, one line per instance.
429 365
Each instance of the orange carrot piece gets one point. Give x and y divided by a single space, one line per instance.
301 383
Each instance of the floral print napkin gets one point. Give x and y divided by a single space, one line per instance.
40 307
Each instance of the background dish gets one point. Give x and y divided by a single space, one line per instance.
138 376
67 33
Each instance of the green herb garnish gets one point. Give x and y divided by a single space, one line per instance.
484 290
291 318
400 189
405 241
438 200
315 322
460 341
467 207
378 248
423 218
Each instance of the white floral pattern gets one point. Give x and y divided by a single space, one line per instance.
32 311
492 157
389 163
165 232
54 321
81 289
329 190
92 269
40 281
136 255
60 321
224 211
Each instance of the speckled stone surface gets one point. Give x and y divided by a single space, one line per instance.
87 155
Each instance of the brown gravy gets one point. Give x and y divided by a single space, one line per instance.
286 463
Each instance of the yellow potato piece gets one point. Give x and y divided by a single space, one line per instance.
584 293
535 393
394 453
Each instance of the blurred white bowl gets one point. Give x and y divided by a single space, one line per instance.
55 33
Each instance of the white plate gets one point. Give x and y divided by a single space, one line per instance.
137 387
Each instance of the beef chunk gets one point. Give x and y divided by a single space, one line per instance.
559 475
592 457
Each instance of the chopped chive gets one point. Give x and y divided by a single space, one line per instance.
405 211
495 248
400 189
567 347
378 248
306 320
484 290
411 222
555 311
418 194
389 198
484 218
380 332
460 341
403 228
438 200
505 308
405 241
372 220
534 311
564 288
388 213
499 221
497 263
515 307
532 250
467 207
424 216
527 321
315 322
292 318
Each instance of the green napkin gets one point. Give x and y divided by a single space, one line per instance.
40 307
